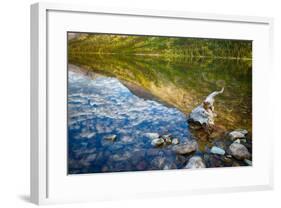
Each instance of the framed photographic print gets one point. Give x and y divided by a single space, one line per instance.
133 103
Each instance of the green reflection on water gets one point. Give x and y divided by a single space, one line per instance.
183 82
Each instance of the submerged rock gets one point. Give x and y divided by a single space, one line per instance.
152 135
186 148
169 166
238 134
239 151
175 141
110 137
180 160
248 162
195 162
168 141
217 150
167 138
158 162
215 160
157 142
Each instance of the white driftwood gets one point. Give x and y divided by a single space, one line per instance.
204 114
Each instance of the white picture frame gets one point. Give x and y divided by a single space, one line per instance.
49 180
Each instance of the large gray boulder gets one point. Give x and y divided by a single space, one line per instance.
239 151
186 148
238 134
201 116
195 162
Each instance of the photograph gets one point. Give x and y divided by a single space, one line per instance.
143 103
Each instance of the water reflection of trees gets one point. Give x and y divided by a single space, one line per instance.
183 82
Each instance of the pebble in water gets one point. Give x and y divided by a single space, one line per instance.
217 150
157 142
175 141
186 148
110 137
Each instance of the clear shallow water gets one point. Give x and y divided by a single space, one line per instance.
99 106
102 105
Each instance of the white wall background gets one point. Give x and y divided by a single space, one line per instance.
14 104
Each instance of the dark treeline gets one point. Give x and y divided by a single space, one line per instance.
158 46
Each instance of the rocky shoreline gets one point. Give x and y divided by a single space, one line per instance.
228 148
233 150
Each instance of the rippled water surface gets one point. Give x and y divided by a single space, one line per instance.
102 106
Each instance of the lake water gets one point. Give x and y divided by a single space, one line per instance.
130 96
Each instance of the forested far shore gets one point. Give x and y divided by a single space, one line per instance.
159 46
